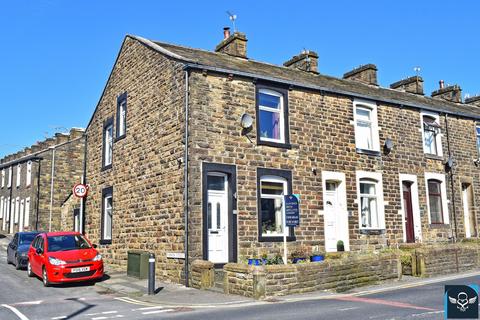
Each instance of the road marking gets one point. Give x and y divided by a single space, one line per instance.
103 318
147 308
157 311
426 313
14 310
384 302
59 318
133 301
345 309
98 313
28 303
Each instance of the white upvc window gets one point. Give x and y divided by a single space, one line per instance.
366 125
19 174
271 116
122 117
431 133
108 145
10 174
29 173
437 202
1 207
17 209
477 129
3 178
27 212
272 191
371 208
21 215
107 217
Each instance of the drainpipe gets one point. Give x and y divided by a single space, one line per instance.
451 182
51 189
185 187
38 192
11 223
84 179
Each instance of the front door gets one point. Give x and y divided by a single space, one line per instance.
469 217
217 218
332 216
407 205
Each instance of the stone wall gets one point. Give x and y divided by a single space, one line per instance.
449 259
339 274
146 175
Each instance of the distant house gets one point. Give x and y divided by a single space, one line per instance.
35 182
212 141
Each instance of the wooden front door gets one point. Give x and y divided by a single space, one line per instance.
407 205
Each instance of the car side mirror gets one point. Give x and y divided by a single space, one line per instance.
39 251
94 245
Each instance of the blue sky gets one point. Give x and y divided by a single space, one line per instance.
56 56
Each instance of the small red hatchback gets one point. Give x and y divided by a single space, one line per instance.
59 257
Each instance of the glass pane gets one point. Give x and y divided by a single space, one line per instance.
436 209
272 216
331 186
367 188
272 188
218 215
364 137
478 130
433 187
369 213
430 142
209 215
267 100
269 124
363 114
216 183
478 143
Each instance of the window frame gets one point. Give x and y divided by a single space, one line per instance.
10 177
270 173
106 193
19 175
26 220
3 177
375 177
28 180
284 142
374 128
108 123
477 134
121 101
438 136
444 200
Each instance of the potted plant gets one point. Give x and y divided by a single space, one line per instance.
340 246
298 255
317 255
254 261
264 258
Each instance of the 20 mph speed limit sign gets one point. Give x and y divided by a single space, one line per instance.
80 190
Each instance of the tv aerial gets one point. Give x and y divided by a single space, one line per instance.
232 18
417 70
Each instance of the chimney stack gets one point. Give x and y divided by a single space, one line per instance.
305 61
233 44
412 85
366 74
451 93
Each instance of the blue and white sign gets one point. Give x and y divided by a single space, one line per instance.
292 210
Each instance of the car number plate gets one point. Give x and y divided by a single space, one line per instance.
75 270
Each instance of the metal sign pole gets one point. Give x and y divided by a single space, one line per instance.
284 234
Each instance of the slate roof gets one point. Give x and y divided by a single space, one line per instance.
221 62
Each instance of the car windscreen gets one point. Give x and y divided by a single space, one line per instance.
67 242
27 238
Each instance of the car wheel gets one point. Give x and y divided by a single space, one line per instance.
46 283
17 263
29 270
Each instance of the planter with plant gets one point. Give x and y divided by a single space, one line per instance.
299 254
317 255
340 246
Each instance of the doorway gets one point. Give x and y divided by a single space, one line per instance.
469 216
408 211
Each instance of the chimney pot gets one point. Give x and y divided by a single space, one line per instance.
226 32
442 84
451 93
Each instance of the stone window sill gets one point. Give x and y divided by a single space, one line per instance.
372 231
369 152
433 157
439 226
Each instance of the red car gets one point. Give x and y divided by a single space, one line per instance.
59 257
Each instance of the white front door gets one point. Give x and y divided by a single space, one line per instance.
469 218
217 218
336 225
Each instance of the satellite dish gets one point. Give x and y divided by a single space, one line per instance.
246 121
388 144
449 163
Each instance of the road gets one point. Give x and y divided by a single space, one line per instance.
26 299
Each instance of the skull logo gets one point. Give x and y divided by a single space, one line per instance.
462 301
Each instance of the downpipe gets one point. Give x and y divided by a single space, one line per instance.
185 187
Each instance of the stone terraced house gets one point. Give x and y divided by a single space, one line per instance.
213 140
36 181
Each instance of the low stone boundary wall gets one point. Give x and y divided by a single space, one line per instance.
429 261
340 274
202 274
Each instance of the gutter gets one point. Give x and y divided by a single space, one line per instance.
323 89
185 190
